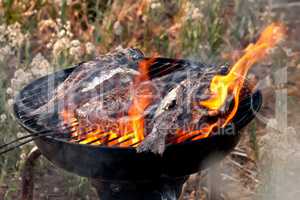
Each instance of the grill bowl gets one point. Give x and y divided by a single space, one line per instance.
118 163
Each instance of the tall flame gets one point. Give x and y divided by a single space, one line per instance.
232 83
141 101
221 86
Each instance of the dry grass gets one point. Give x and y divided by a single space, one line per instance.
40 36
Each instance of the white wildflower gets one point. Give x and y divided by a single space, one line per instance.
60 46
61 33
20 79
155 5
90 48
10 102
58 20
49 45
21 74
196 14
16 83
39 65
9 91
68 29
118 28
3 117
15 36
75 50
75 43
5 52
48 23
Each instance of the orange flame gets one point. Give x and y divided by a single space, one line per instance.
231 84
127 133
141 101
221 86
132 131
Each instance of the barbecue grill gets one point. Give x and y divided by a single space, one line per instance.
122 173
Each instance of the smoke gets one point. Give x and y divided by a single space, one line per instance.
280 150
280 163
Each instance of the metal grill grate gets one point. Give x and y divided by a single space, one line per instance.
39 92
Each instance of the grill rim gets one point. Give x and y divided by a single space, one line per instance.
70 69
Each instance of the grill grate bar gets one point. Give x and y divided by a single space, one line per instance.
135 144
57 127
98 139
27 112
166 69
35 92
126 140
162 62
109 141
154 72
84 133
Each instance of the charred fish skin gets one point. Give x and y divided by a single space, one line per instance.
177 109
121 60
105 109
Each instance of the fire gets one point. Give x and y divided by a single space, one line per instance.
140 102
231 84
221 86
131 132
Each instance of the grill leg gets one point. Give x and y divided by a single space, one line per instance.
164 188
27 174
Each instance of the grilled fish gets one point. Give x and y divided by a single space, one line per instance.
178 110
90 79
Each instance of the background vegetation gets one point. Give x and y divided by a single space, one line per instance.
40 36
